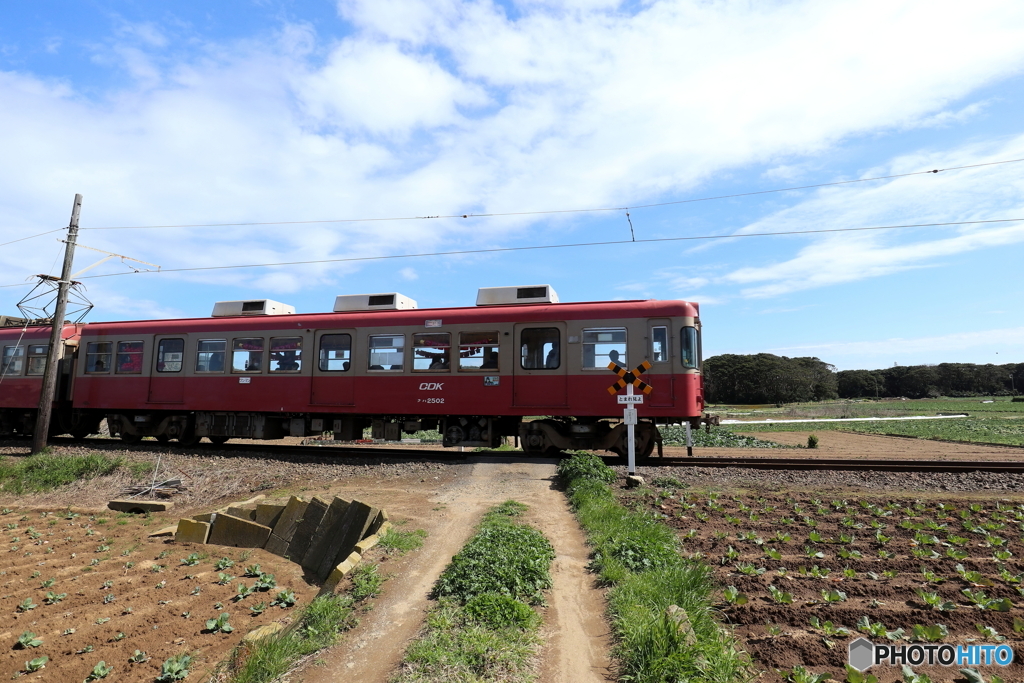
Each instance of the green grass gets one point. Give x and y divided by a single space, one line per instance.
397 542
455 648
638 557
46 471
995 430
319 626
502 558
481 628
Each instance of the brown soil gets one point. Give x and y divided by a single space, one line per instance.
575 632
835 444
779 636
88 557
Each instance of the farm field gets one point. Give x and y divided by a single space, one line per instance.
991 406
92 586
803 574
992 430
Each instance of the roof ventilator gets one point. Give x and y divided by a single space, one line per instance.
226 309
503 296
390 301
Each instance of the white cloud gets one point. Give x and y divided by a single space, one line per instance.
409 273
852 256
443 107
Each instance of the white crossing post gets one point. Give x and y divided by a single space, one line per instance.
630 433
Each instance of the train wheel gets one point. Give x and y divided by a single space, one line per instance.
189 439
218 439
130 438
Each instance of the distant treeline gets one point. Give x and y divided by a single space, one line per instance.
766 378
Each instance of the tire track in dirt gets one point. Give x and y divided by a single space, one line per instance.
575 632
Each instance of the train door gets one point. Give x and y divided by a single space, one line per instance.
540 370
333 369
167 375
659 353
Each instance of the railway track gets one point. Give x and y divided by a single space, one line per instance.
762 463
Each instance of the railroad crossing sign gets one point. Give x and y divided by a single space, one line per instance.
627 377
627 380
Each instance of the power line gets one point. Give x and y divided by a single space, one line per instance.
555 246
22 239
556 211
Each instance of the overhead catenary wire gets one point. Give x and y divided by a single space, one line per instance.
553 246
556 211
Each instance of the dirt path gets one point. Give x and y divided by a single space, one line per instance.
575 631
834 444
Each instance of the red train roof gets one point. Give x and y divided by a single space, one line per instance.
650 308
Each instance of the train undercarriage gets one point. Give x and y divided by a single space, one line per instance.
536 436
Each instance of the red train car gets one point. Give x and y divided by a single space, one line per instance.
517 364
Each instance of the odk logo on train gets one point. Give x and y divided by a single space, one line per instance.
864 654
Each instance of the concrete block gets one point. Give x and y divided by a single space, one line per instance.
267 514
166 531
367 543
191 531
248 513
289 519
140 506
349 531
378 519
383 528
205 517
340 572
323 542
306 527
277 545
270 629
239 533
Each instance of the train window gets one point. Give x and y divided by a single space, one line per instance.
478 350
659 344
37 359
688 341
285 354
210 355
247 355
169 354
129 358
431 352
335 352
604 345
12 360
387 352
97 357
539 348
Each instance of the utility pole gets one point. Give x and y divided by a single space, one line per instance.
42 428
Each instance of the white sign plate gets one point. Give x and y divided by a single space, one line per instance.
629 416
635 398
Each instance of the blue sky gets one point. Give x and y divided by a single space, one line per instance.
166 113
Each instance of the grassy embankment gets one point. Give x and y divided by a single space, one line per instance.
482 627
320 623
660 603
46 471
